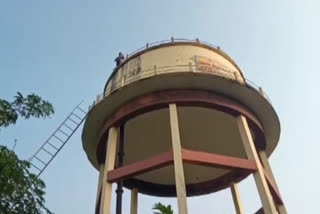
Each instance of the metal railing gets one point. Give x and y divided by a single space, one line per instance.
251 84
173 40
221 72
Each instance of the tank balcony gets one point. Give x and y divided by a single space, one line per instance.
136 67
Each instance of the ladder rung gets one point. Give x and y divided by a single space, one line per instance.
52 146
63 132
40 160
73 121
47 151
81 110
76 116
68 126
35 166
58 139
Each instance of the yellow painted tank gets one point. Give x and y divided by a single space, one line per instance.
209 89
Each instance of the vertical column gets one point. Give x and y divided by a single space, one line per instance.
134 201
236 198
101 169
105 202
263 189
119 190
177 158
264 160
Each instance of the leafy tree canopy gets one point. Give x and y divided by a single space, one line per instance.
20 190
30 106
162 209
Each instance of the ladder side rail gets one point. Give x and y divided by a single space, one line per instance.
61 146
77 107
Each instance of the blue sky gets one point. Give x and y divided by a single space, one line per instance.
64 51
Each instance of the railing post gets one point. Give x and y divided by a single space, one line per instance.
98 99
106 93
235 76
155 69
261 91
122 80
190 67
195 63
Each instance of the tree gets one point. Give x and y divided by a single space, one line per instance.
162 209
30 106
20 190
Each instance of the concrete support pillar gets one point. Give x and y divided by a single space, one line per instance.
265 162
177 158
101 169
262 186
105 202
134 201
236 198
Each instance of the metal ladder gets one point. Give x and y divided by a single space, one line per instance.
53 145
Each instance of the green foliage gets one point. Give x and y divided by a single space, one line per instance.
162 209
30 106
20 190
